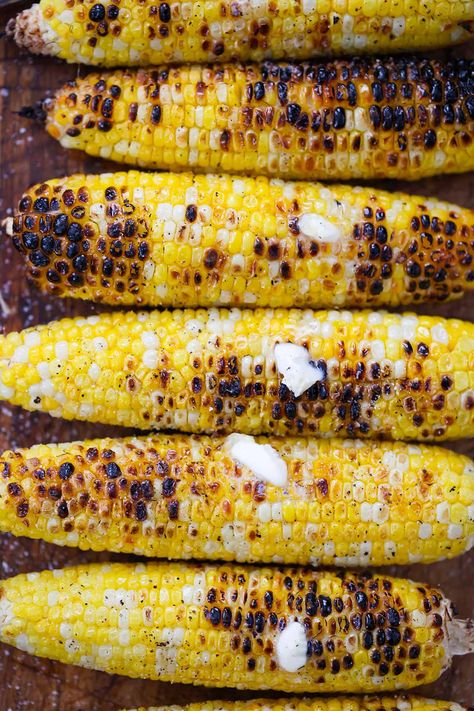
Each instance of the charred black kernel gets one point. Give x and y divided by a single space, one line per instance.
375 116
399 118
393 617
66 470
430 139
339 118
14 489
374 251
249 620
446 382
414 651
74 232
53 276
380 637
470 106
107 108
451 93
210 258
107 266
268 599
214 616
413 268
226 616
97 13
393 636
75 279
169 487
423 349
388 653
377 91
143 250
325 605
60 225
259 622
347 661
383 669
288 582
387 118
282 90
292 113
338 604
38 259
62 509
211 595
104 125
140 511
173 509
80 263
381 235
156 114
22 509
113 470
191 213
375 656
386 253
335 666
24 204
72 250
311 603
437 620
259 90
30 240
164 12
41 204
112 12
361 600
246 645
251 663
368 640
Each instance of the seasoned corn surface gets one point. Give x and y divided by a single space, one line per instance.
400 376
128 33
344 502
197 240
227 626
341 703
348 119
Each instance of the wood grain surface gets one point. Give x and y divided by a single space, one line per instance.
28 155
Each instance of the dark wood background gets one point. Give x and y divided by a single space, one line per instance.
28 155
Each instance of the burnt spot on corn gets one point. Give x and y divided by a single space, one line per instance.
73 244
336 627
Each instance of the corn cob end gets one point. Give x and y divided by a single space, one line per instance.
28 33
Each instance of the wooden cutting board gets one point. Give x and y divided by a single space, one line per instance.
28 156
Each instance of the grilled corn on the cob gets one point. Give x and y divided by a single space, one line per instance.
294 501
348 119
288 629
341 703
159 32
264 371
200 240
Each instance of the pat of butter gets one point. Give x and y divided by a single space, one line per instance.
292 647
317 227
262 459
294 363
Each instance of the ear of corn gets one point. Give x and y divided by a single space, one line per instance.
197 240
156 33
344 502
355 373
284 629
348 119
340 703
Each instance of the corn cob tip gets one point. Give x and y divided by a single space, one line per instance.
37 112
25 29
460 635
